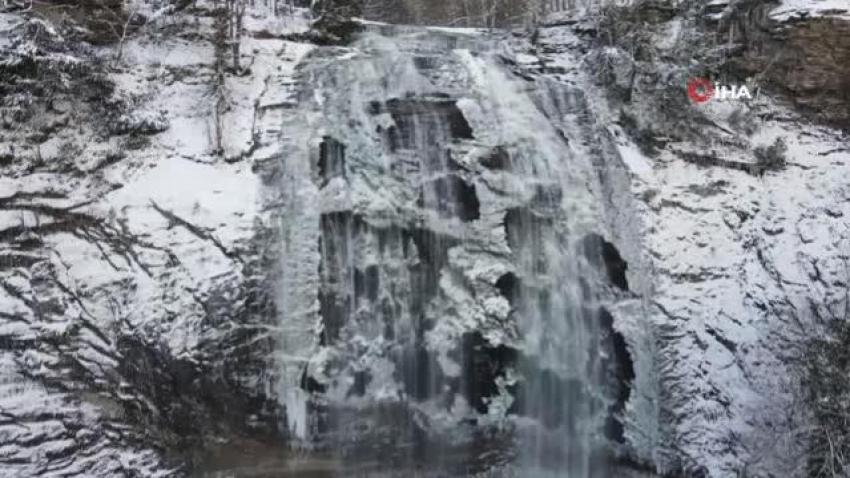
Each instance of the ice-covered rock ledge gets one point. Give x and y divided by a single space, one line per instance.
132 280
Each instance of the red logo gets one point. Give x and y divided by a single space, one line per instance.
700 90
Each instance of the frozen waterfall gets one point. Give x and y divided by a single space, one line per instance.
440 273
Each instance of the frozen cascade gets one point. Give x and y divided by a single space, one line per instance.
440 282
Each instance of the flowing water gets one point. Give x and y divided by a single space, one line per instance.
438 296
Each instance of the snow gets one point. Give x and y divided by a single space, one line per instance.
8 23
171 53
213 196
791 9
637 163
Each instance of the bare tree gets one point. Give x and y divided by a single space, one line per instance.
126 20
132 11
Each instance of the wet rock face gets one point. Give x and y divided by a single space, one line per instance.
620 372
350 282
603 254
430 121
409 113
331 162
419 373
482 365
451 196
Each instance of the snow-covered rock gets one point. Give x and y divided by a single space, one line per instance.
133 286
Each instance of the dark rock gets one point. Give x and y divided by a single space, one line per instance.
392 138
509 285
310 384
361 381
772 157
498 159
482 364
366 283
334 311
333 28
340 8
618 366
181 401
375 107
337 229
730 345
419 371
451 196
432 249
602 253
432 246
646 138
439 115
331 160
425 62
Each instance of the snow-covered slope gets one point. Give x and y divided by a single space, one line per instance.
130 255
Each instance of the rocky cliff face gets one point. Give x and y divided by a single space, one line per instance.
800 50
196 273
815 73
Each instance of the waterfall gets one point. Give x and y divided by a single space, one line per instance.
438 299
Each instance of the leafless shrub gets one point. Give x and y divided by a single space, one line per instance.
742 119
771 157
